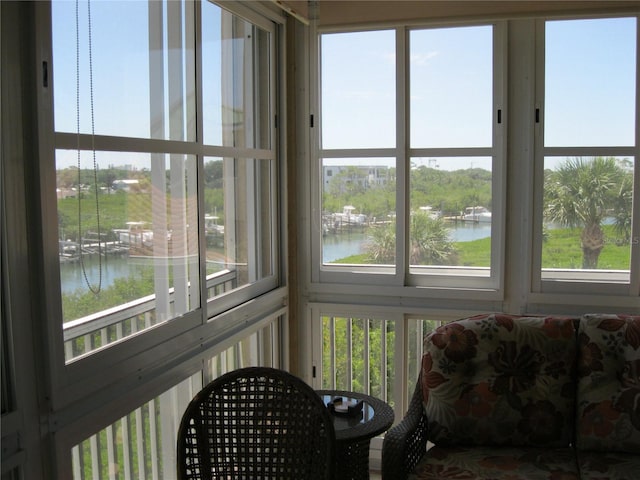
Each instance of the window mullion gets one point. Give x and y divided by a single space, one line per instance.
402 159
634 288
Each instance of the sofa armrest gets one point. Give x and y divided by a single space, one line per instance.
406 443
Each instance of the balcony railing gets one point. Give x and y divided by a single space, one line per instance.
141 445
85 335
380 357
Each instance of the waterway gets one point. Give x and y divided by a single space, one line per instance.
334 246
354 243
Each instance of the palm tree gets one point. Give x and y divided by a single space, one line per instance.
430 241
382 244
581 193
429 237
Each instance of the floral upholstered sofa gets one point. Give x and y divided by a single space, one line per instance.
515 397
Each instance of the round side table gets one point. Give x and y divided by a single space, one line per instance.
354 433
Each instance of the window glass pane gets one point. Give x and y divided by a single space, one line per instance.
128 72
236 73
128 239
239 222
358 211
587 218
358 90
451 204
451 86
590 82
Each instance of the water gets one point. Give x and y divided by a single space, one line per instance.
113 267
334 247
346 244
343 245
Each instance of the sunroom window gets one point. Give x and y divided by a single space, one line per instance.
166 198
411 155
588 151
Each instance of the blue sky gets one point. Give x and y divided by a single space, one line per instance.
590 81
590 87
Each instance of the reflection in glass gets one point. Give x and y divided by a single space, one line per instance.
451 86
130 236
587 214
239 222
236 87
450 212
358 211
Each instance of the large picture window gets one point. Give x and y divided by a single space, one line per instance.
411 155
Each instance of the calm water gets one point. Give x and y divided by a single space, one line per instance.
346 244
113 267
334 247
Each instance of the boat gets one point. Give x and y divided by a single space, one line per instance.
478 214
349 217
428 210
135 234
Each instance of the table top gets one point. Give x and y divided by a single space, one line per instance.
376 417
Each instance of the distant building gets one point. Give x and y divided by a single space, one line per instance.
369 176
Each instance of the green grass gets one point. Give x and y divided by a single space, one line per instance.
561 249
476 253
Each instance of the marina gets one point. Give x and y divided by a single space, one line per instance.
117 263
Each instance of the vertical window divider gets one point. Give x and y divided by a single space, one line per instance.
499 148
402 155
315 147
538 156
199 139
635 207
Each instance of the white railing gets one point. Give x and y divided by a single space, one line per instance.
359 354
365 355
84 335
142 444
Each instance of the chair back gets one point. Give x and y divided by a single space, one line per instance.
256 422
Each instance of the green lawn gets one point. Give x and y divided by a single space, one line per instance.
561 249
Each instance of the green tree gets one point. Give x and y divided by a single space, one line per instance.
582 193
382 244
350 181
429 237
430 241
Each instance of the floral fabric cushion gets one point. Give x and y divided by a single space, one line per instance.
608 396
483 463
608 466
500 380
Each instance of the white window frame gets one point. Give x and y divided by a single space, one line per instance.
132 360
566 281
394 279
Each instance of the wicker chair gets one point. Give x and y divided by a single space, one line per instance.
256 422
406 443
